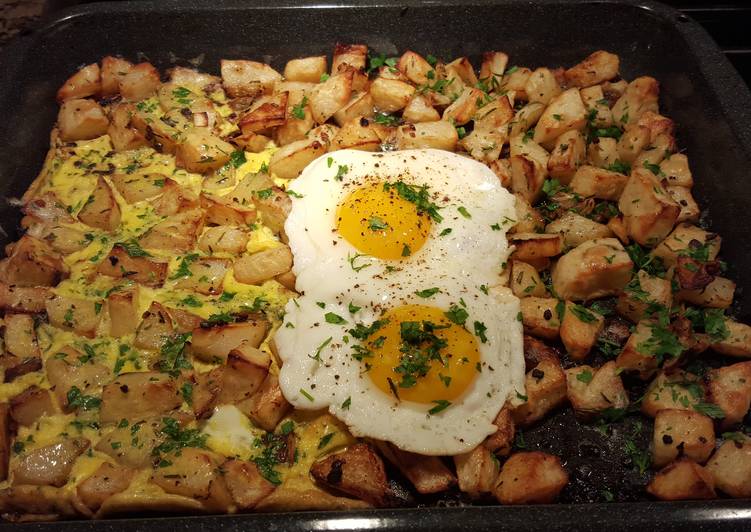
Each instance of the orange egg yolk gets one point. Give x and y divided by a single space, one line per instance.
382 224
419 355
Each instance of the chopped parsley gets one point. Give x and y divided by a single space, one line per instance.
417 195
584 376
336 319
440 406
457 314
428 292
583 314
172 357
133 248
464 212
298 111
406 251
418 348
480 330
341 171
353 258
306 395
377 224
325 440
386 119
317 356
183 269
346 404
710 410
237 158
76 399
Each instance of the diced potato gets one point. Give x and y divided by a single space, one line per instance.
224 239
112 72
530 478
516 80
603 152
633 305
138 395
306 69
677 171
106 481
730 467
245 483
640 96
501 441
525 281
440 135
738 343
201 152
476 471
176 233
492 68
66 373
267 407
717 294
633 141
596 268
138 187
194 473
206 275
263 265
419 109
359 105
530 246
266 112
215 343
680 433
30 405
689 208
528 219
415 68
81 120
682 480
48 501
428 474
597 67
148 434
540 317
590 181
528 176
677 390
593 390
31 262
190 76
390 95
123 312
565 112
248 78
139 83
289 161
49 465
20 336
464 69
542 86
576 229
224 211
86 82
730 389
357 471
545 390
357 134
142 270
568 154
598 106
353 55
525 118
331 95
631 358
79 315
155 328
678 241
579 330
101 209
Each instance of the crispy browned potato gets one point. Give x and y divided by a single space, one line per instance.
530 246
356 134
177 233
682 480
107 480
530 478
592 390
30 405
590 181
266 112
215 343
579 330
138 395
156 326
540 316
246 485
544 391
730 466
597 67
120 265
305 69
677 390
633 304
81 120
648 210
525 281
681 433
112 72
139 82
331 95
565 112
20 336
86 82
476 471
290 160
440 135
263 265
357 471
49 502
32 262
206 275
730 389
147 433
428 474
79 315
639 97
632 358
66 374
717 294
501 440
248 78
23 299
49 465
267 406
596 268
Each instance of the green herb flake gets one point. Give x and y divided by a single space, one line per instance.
440 406
428 292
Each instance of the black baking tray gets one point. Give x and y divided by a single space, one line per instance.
700 90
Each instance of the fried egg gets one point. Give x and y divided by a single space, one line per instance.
401 330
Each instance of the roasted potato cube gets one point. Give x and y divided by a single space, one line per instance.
81 120
680 433
545 389
101 209
677 171
492 68
359 105
23 299
120 265
194 473
357 471
20 336
266 112
414 67
139 395
201 152
516 80
682 480
331 95
525 118
306 69
730 467
267 406
353 55
633 304
730 389
597 67
248 78
290 160
679 240
476 471
580 329
147 434
427 474
576 229
32 262
528 220
106 481
598 106
603 152
648 210
530 478
632 358
155 328
717 294
738 343
633 141
123 311
244 373
590 181
565 112
139 83
530 246
465 107
31 404
689 208
206 275
357 134
112 72
215 343
263 265
569 153
525 281
177 233
677 390
79 315
501 441
640 96
138 187
245 483
86 82
440 135
224 211
390 95
593 390
596 268
542 86
64 376
224 239
49 465
540 316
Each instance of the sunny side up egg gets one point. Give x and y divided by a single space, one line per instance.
402 330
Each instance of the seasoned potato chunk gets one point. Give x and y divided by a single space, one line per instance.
107 480
682 480
266 112
248 78
590 181
49 465
306 69
545 390
86 82
390 95
476 471
357 134
194 473
530 246
648 210
81 120
501 441
679 241
717 294
268 406
565 112
580 329
138 395
120 265
647 289
525 281
331 95
639 97
540 316
427 474
263 265
201 152
290 160
577 229
175 233
440 135
681 433
738 342
597 67
542 86
225 239
139 82
31 404
245 483
730 389
79 315
215 343
568 154
530 478
730 466
593 269
20 336
592 390
415 67
206 275
31 262
635 356
357 471
677 390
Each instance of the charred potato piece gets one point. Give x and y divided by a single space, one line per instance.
633 304
357 471
682 480
530 478
427 474
545 390
530 246
81 120
476 471
246 485
175 233
648 210
155 328
730 389
579 330
676 390
120 265
30 405
501 441
590 181
597 67
79 315
290 160
32 262
680 433
263 265
247 78
577 229
215 343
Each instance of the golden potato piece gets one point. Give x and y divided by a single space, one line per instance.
593 390
289 161
577 229
112 72
501 441
49 465
682 480
31 404
245 484
215 343
730 466
545 390
263 265
139 83
120 265
599 66
357 471
648 210
440 135
306 69
201 152
476 471
540 316
596 268
525 281
86 82
81 120
79 315
580 329
247 78
106 481
730 389
427 474
681 433
530 478
565 112
590 181
677 390
267 407
331 95
138 395
738 343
